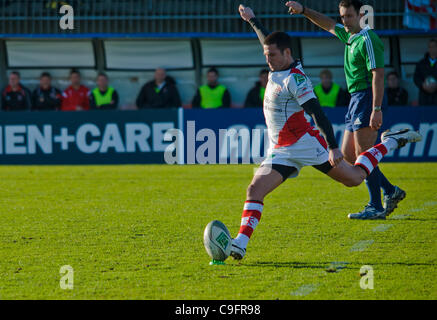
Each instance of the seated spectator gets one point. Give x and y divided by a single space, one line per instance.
396 95
75 97
46 97
15 97
212 95
425 76
159 93
329 93
103 97
255 97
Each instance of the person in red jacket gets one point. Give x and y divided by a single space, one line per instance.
76 96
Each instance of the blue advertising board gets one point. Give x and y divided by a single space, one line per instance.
89 137
206 136
240 133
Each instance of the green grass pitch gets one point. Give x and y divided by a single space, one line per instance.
135 232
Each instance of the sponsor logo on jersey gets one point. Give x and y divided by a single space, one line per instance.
300 79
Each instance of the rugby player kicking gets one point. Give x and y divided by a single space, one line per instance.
294 143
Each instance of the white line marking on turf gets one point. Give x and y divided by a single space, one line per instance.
401 216
430 203
382 227
416 209
304 290
361 245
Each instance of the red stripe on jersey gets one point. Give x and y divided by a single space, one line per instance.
316 134
295 70
295 127
252 213
382 149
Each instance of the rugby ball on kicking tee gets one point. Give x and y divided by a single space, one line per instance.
217 240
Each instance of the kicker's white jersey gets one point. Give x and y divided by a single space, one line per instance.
286 91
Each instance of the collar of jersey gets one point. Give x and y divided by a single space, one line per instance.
293 65
358 34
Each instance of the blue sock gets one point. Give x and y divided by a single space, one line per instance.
374 186
386 186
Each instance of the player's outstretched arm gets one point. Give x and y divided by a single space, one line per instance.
315 17
247 15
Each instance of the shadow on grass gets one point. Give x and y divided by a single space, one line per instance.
415 219
291 264
328 265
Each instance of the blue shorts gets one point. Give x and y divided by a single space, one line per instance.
360 109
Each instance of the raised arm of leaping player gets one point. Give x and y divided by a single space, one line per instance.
315 17
247 15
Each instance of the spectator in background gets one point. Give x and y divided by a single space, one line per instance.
212 95
329 93
255 97
16 97
396 95
425 76
159 93
75 97
46 97
103 97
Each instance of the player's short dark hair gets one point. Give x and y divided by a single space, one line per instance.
75 71
433 40
214 70
16 73
281 39
45 75
357 4
263 71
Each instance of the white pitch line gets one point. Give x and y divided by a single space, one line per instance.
400 217
304 290
361 245
382 227
416 209
430 203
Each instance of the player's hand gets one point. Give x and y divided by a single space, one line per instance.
295 7
246 13
335 157
376 120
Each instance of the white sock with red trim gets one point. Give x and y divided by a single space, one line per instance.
369 159
251 215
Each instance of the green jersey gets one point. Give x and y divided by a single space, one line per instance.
364 52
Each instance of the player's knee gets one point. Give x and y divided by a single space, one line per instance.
353 182
253 192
